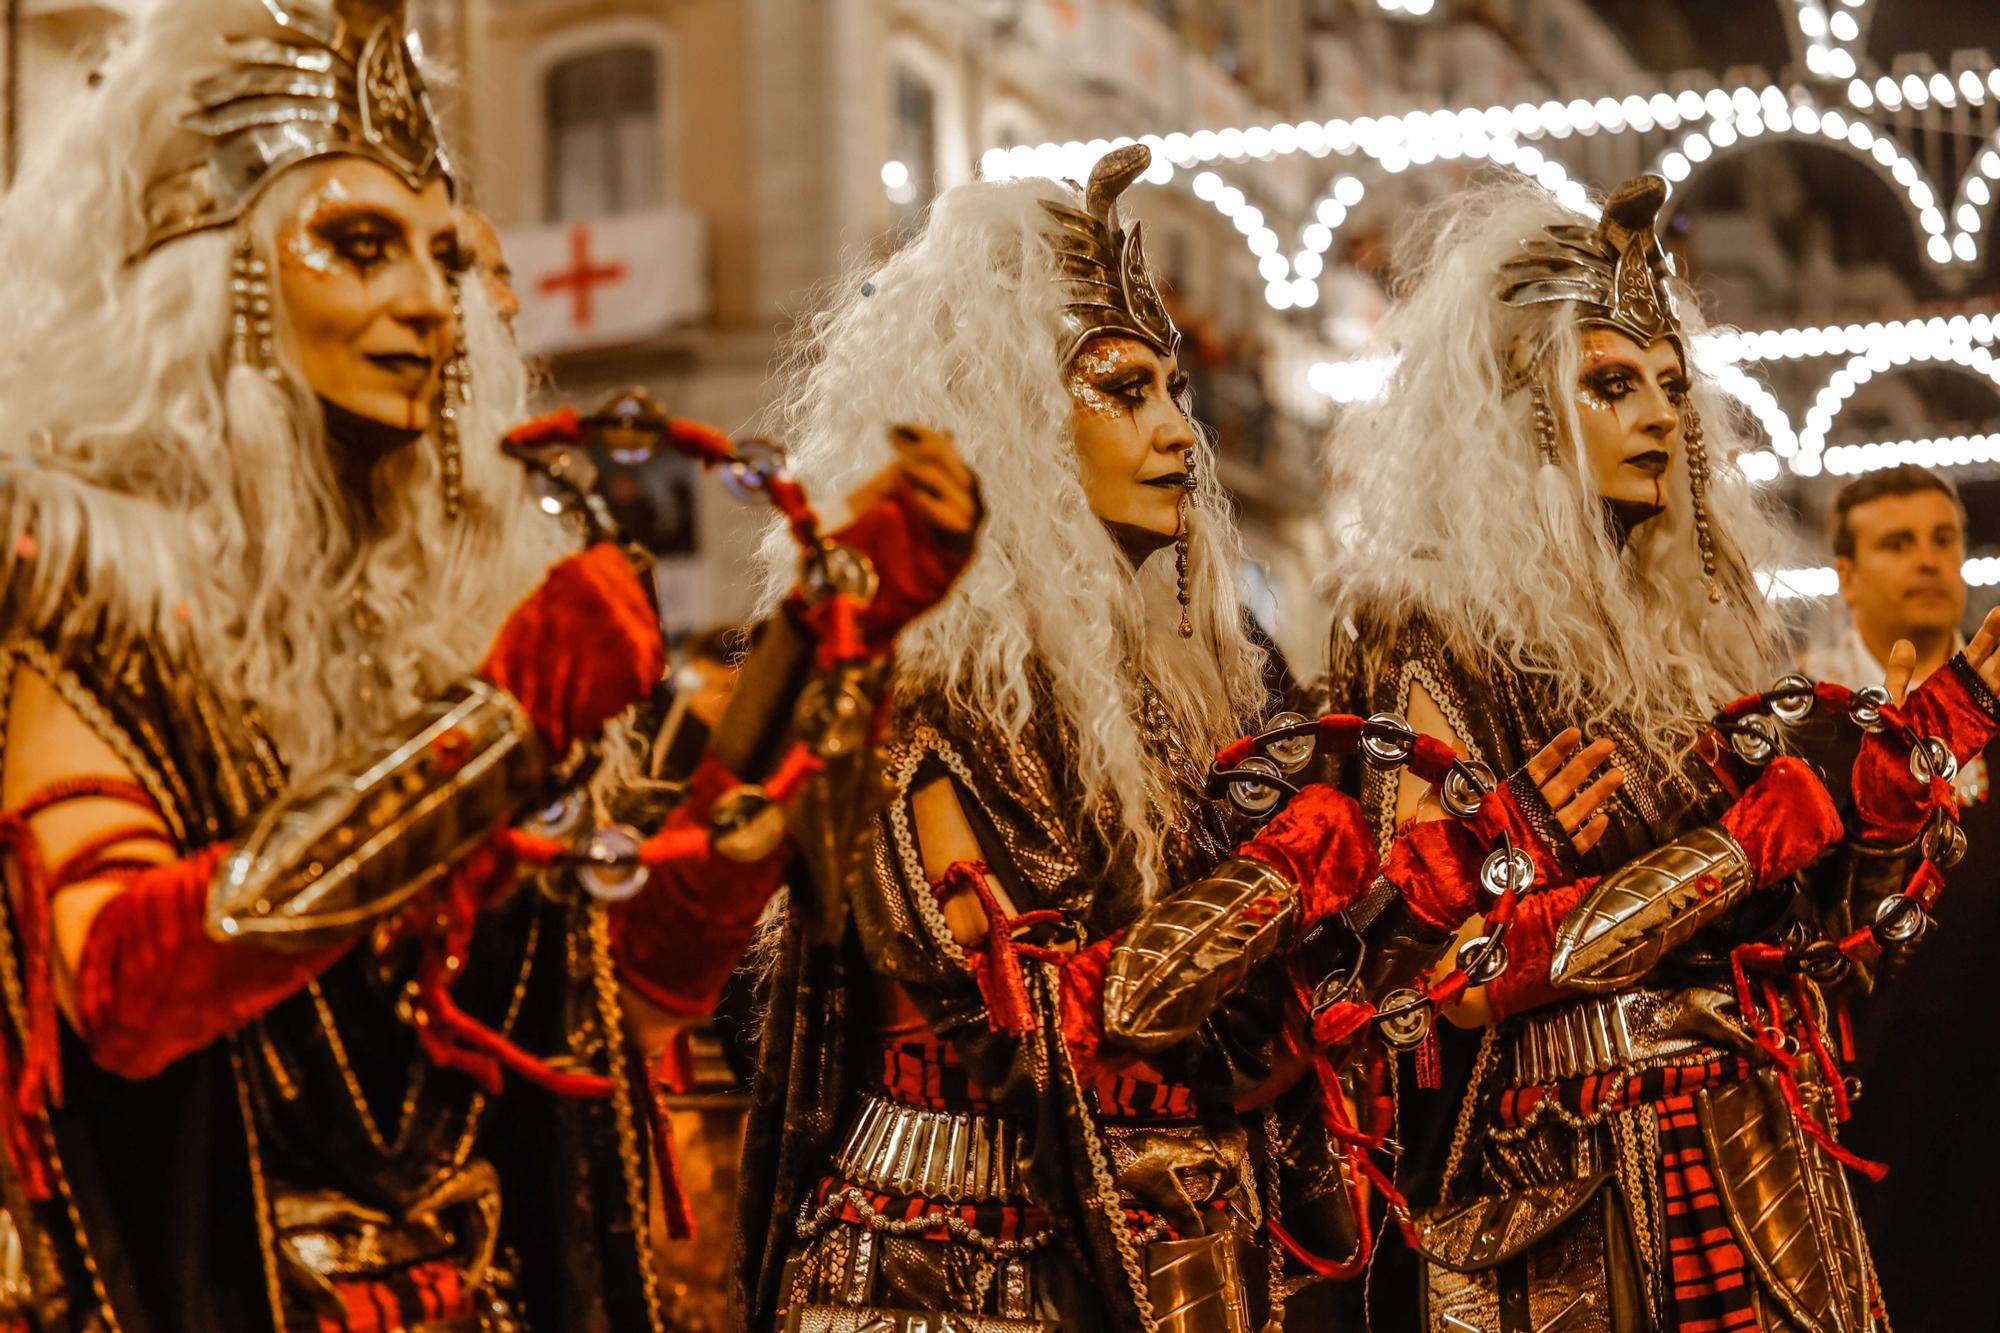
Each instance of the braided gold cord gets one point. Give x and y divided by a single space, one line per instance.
1461 1133
611 1015
1100 1168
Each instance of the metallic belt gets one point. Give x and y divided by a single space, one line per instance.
953 1156
1626 1030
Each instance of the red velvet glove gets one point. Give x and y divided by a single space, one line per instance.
915 565
152 986
582 648
1784 822
1531 943
1435 863
1321 843
1892 804
679 938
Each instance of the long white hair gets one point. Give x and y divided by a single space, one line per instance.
191 499
1442 507
960 332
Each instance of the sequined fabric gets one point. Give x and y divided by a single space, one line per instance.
1546 1105
1113 1169
323 1102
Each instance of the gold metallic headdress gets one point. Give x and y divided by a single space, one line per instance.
339 80
1109 287
1615 273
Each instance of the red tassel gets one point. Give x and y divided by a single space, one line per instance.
1001 983
1337 1022
1430 1071
667 1158
453 1038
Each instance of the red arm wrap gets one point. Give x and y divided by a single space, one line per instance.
679 938
152 986
1784 822
1321 843
1081 999
1891 802
582 648
1530 943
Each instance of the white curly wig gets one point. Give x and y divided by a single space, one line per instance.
1443 508
194 500
961 332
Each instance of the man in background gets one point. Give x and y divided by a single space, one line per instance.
1927 1045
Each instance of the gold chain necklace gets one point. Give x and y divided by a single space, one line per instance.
407 1116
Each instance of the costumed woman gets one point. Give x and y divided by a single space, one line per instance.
1647 1131
1008 1096
289 1043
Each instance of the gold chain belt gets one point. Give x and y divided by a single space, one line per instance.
953 1156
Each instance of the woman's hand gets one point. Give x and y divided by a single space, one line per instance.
929 473
1574 780
1980 652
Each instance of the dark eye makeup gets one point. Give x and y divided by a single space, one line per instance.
450 255
362 239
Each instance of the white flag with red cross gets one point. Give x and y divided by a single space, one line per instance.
600 282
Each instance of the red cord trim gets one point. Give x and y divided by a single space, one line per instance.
1001 983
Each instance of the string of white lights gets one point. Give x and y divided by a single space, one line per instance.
1832 35
1859 370
1752 116
1821 580
1948 451
1733 346
1718 121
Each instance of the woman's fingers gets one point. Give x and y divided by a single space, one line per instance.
933 447
1571 776
1579 811
1551 756
1902 665
943 504
1980 651
942 514
1587 837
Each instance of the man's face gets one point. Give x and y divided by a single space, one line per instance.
1905 576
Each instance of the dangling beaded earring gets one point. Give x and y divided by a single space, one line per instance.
1545 423
1697 453
250 312
457 379
1181 556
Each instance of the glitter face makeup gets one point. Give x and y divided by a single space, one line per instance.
1630 403
1097 361
1132 439
364 272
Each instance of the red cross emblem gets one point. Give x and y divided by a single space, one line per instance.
581 278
